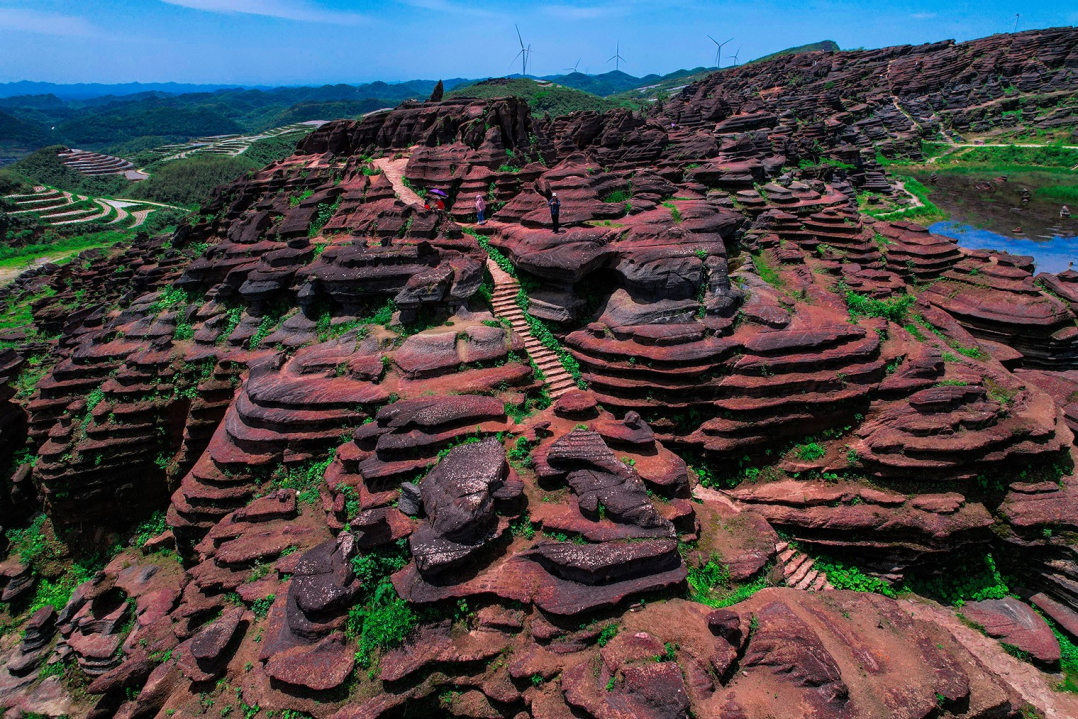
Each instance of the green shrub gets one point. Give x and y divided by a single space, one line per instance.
893 309
609 632
1068 660
704 580
766 272
381 619
1064 193
618 196
306 479
190 181
322 215
981 580
848 576
811 451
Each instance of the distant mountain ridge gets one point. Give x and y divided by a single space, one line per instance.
84 91
126 118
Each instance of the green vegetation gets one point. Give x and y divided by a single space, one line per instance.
189 182
1064 193
675 213
608 632
44 167
19 257
848 576
380 619
322 215
811 451
618 196
271 149
1068 660
37 546
980 579
888 209
767 271
710 585
1010 158
542 99
305 479
893 309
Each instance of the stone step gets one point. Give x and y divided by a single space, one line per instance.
809 580
794 564
803 569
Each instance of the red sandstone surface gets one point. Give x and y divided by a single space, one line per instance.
311 384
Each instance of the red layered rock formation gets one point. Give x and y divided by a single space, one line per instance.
373 507
994 296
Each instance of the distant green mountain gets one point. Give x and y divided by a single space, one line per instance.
542 97
602 85
313 110
17 134
613 83
117 124
108 121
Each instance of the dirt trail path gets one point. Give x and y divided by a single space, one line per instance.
962 147
8 274
506 288
1029 682
394 172
558 381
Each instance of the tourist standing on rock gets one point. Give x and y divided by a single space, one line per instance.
555 209
480 208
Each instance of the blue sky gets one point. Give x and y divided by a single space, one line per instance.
318 41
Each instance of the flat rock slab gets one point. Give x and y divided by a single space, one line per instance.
321 667
1014 623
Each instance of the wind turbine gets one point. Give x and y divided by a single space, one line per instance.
523 54
618 59
1016 22
573 68
530 53
718 50
734 56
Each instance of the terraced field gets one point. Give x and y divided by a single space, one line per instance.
59 207
95 164
233 145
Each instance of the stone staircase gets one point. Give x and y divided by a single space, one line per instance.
798 571
506 288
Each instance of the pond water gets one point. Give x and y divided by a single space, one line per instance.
1050 254
987 213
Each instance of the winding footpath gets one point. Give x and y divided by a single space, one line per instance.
394 172
506 288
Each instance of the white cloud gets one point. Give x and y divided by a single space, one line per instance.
284 9
44 23
923 15
447 6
